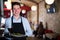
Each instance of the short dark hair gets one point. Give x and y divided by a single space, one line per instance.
15 3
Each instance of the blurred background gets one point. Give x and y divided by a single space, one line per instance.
36 11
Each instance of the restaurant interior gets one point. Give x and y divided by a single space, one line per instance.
43 16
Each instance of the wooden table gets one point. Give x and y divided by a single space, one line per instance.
28 38
33 38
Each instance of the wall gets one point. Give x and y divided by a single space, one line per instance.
53 20
32 17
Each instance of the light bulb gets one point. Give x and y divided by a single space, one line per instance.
23 11
49 1
34 8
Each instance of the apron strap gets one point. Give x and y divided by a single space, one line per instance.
21 20
12 20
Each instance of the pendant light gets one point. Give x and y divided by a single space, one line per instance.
49 1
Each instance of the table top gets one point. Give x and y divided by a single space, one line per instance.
28 38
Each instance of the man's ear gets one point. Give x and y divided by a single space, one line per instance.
12 10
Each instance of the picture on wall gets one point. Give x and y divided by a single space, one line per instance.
50 8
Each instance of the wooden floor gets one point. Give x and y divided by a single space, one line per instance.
33 38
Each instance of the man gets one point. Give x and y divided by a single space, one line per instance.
17 22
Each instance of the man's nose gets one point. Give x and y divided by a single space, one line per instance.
15 9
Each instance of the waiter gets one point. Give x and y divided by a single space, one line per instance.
17 22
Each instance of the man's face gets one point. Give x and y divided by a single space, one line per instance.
16 10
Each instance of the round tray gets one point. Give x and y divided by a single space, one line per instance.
17 35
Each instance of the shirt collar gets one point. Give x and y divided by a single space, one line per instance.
15 18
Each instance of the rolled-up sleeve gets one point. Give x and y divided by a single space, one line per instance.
7 25
27 28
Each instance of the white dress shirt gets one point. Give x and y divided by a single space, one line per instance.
26 25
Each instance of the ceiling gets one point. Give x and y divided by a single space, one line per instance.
36 1
28 2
